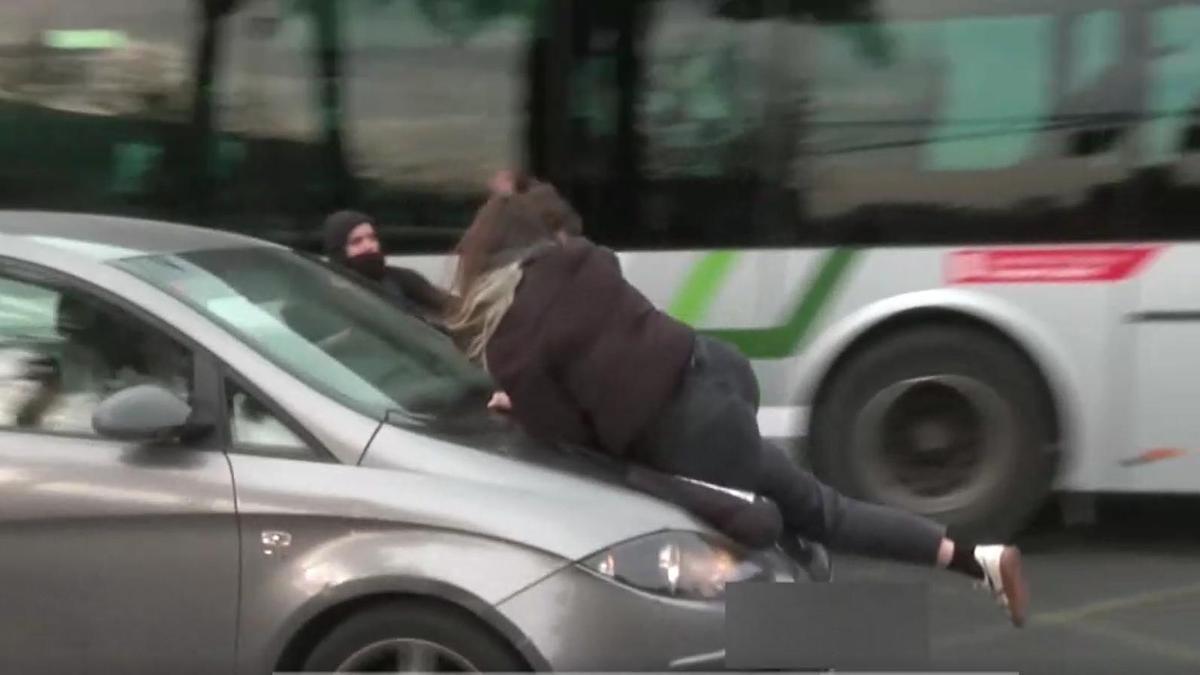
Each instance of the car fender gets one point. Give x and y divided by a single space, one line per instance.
361 566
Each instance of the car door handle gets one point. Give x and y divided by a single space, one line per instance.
275 540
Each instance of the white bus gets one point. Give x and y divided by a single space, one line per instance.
956 237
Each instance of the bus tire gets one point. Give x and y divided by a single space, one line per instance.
950 422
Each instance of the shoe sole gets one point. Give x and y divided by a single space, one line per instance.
1015 589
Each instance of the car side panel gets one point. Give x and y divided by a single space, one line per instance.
116 558
340 547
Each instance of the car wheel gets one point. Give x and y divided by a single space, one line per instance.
948 422
417 637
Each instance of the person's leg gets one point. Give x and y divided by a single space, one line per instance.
710 433
728 366
705 432
817 511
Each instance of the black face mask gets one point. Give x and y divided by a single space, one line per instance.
370 265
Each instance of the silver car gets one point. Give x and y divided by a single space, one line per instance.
218 455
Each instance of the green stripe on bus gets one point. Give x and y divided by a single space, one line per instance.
85 39
782 341
699 290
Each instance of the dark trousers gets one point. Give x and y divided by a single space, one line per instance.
710 433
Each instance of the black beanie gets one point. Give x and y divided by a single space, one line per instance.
338 227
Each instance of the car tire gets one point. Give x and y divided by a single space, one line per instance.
447 639
856 437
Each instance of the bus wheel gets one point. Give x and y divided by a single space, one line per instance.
946 421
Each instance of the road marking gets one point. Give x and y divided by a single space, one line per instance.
1147 643
1127 602
1068 617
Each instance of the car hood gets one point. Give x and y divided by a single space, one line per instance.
568 504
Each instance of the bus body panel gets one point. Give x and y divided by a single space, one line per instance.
1162 453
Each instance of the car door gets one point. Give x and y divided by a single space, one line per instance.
274 458
117 556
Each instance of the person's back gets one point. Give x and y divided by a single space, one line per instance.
576 318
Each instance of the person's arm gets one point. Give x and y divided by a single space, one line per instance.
420 291
503 182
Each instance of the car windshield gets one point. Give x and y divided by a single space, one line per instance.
339 336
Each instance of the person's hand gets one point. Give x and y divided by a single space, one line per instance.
503 182
500 402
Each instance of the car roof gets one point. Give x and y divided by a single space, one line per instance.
101 237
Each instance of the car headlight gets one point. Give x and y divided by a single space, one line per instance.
686 565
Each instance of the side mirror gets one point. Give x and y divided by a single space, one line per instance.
144 412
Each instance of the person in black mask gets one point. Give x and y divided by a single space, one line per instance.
352 241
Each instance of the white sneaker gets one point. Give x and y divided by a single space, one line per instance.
1004 578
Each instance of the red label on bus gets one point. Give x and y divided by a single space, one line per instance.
1047 265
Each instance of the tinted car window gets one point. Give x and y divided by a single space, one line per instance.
253 427
62 352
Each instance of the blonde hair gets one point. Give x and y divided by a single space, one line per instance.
507 229
481 308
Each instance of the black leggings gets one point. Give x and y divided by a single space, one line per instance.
710 433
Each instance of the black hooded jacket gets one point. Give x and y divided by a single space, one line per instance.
586 358
407 288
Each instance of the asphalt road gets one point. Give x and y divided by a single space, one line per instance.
1119 596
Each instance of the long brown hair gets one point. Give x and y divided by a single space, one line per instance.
558 215
505 229
503 226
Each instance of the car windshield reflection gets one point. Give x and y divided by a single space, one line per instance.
338 336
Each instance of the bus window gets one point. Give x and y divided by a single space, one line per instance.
1174 81
434 106
997 92
962 121
670 127
705 90
702 113
92 97
264 115
1168 185
401 108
